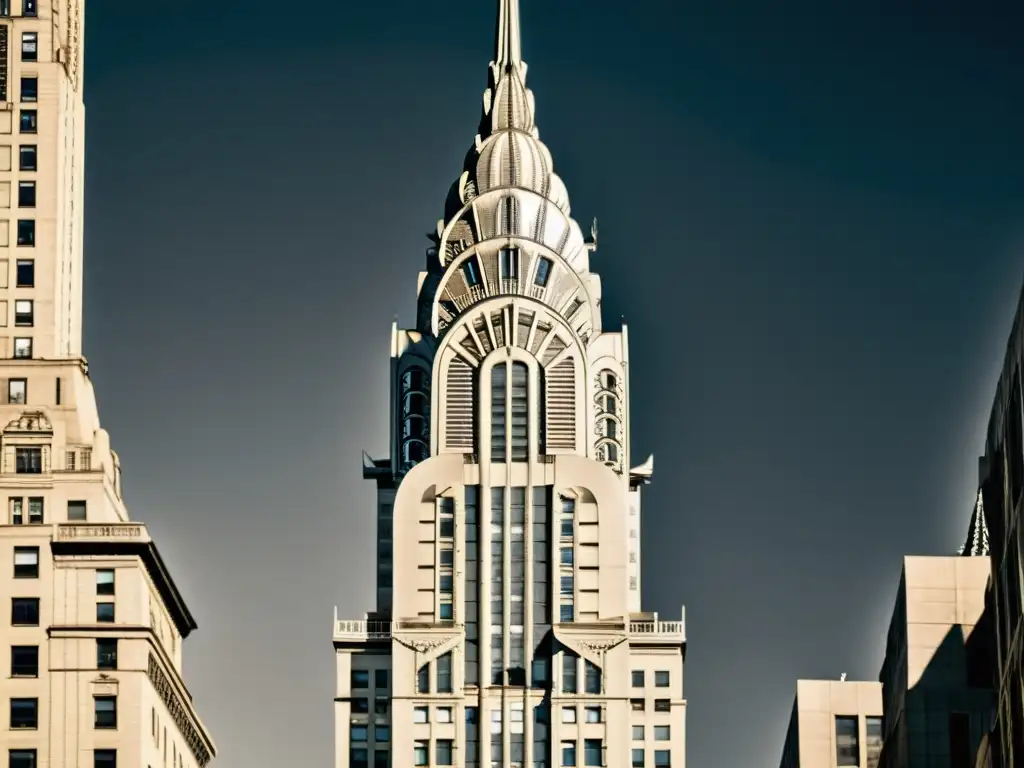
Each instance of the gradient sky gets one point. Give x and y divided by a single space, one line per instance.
812 218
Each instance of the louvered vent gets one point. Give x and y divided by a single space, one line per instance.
459 406
561 405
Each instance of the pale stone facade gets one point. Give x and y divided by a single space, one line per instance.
936 692
92 624
508 629
834 723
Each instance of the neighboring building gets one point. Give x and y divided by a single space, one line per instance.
834 723
936 686
1002 472
93 625
508 629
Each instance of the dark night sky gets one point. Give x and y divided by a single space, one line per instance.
812 218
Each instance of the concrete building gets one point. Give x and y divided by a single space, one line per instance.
93 629
834 723
1002 484
936 690
508 629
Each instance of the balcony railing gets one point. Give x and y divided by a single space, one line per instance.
657 630
367 629
102 532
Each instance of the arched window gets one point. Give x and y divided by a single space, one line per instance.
611 429
608 380
499 382
611 453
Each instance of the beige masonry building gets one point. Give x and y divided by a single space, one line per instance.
834 724
92 625
508 629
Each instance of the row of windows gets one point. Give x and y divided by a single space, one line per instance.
28 8
25 658
508 268
662 679
443 752
848 747
26 566
30 511
28 460
28 758
25 713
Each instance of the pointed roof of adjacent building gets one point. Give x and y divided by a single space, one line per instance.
976 544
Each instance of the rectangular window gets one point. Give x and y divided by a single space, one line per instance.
662 758
24 313
28 121
661 679
104 758
25 611
17 511
637 677
25 661
592 677
17 391
569 754
543 272
105 613
423 679
470 273
26 199
26 269
382 733
592 749
570 665
662 705
443 752
873 741
638 733
26 232
106 653
662 733
359 732
24 714
420 714
30 46
30 89
444 673
569 714
22 348
28 159
360 705
359 757
637 758
380 759
76 509
35 511
360 678
421 753
106 711
23 758
380 678
28 461
26 562
28 8
105 582
847 741
509 263
566 613
637 705
593 714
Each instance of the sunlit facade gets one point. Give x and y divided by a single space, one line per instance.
508 629
92 624
834 724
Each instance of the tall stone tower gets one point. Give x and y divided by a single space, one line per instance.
508 629
93 624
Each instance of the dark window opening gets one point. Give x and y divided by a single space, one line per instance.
26 272
26 231
25 661
26 194
106 653
543 272
30 89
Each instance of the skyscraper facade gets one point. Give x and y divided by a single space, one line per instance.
92 629
508 629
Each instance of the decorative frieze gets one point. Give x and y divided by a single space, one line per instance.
179 712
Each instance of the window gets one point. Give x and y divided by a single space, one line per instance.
445 583
566 586
509 263
105 582
592 752
26 199
24 313
637 758
106 711
380 678
103 758
25 611
106 653
26 272
17 511
420 753
566 556
22 348
543 272
28 8
443 752
359 733
471 273
447 557
29 89
662 758
359 757
25 661
26 562
444 673
360 678
566 613
444 714
593 714
30 46
873 741
592 678
569 666
423 679
568 714
17 391
26 232
28 461
662 705
420 714
661 679
35 511
662 733
382 733
638 733
360 705
847 741
105 613
24 713
637 677
23 758
76 510
28 157
569 753
29 121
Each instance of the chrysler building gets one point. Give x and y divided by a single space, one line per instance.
508 629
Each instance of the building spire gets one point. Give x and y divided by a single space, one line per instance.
508 51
